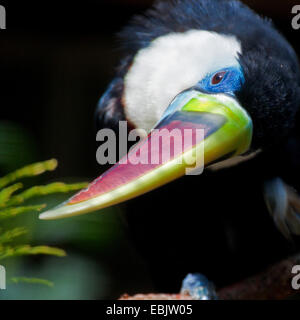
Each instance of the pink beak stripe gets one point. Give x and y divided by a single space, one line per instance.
147 156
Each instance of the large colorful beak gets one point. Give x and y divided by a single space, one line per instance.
196 130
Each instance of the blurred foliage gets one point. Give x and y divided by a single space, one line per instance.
32 281
100 262
9 208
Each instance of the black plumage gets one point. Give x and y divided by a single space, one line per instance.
268 60
218 223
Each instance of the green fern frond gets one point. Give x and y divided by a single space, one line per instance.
29 171
10 208
32 281
6 193
7 251
14 211
56 187
10 235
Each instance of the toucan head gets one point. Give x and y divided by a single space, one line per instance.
214 78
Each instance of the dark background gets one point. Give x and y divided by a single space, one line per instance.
56 59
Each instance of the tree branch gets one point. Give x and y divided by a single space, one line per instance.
274 283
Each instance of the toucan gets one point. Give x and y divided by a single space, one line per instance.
224 86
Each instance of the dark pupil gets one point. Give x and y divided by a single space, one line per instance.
218 77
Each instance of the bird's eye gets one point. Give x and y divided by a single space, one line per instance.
218 77
226 80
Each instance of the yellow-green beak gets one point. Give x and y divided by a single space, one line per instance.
196 130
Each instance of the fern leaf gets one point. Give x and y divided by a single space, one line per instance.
32 280
11 206
56 187
6 193
7 251
29 171
10 235
12 212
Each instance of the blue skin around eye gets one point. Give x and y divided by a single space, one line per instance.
231 82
